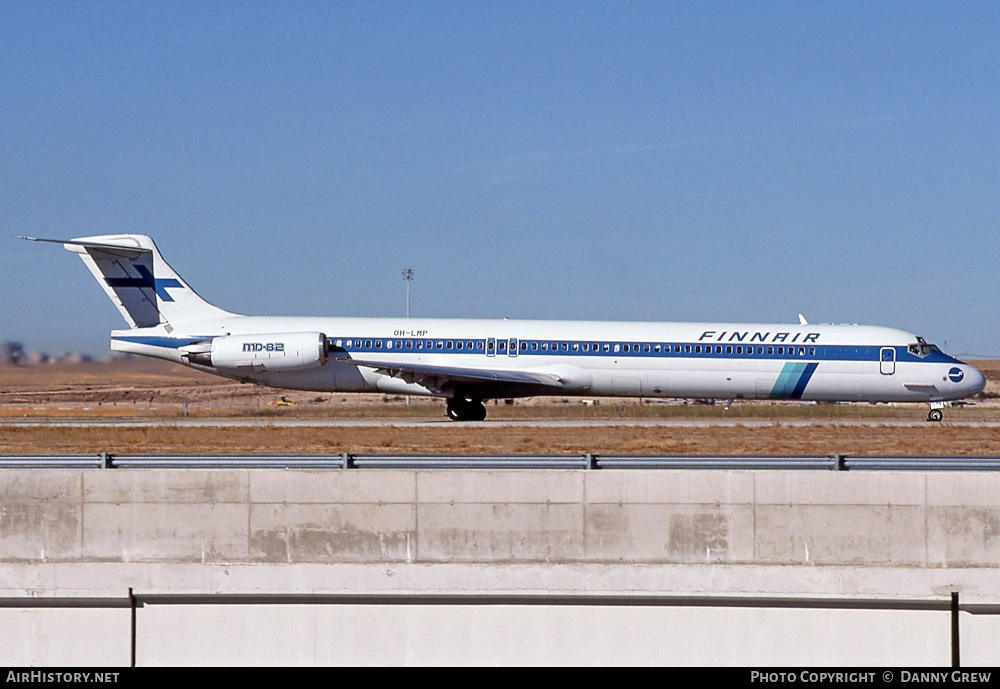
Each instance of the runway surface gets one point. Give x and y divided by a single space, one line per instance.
539 423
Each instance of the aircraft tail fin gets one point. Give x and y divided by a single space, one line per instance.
138 281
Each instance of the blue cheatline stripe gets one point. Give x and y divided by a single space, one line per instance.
792 380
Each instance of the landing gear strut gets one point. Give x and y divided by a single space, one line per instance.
460 409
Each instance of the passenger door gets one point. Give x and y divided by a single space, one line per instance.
887 361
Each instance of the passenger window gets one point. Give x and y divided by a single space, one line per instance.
534 346
718 349
524 346
545 346
409 344
576 346
739 350
697 349
586 346
729 349
459 344
618 347
378 344
607 347
625 347
812 351
645 348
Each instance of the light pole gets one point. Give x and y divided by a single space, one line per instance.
408 276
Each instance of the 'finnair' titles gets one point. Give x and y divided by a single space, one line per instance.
468 361
747 336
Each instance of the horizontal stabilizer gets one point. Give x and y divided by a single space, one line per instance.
117 249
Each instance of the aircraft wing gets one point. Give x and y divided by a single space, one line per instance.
438 378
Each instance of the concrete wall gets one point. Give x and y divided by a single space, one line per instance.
789 547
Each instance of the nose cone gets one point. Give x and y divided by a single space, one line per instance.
974 381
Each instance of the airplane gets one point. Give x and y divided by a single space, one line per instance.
468 361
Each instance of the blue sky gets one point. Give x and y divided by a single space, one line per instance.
733 161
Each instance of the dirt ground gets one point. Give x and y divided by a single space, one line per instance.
136 388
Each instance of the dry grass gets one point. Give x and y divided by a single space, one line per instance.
777 439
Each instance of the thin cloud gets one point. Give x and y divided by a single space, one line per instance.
516 165
535 159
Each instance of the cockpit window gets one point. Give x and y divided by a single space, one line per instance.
921 348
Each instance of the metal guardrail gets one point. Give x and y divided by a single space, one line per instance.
728 462
586 461
911 463
52 461
243 461
468 461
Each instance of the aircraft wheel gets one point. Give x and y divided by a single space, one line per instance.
457 409
935 415
477 411
466 410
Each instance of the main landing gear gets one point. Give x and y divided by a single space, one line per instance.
461 409
935 414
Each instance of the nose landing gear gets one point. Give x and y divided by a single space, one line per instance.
460 409
935 414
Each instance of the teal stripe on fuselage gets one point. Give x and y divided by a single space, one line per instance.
792 380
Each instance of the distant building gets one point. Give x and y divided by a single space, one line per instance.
11 352
35 358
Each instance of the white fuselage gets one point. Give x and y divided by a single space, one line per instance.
684 360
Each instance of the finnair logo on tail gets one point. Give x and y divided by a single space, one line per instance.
147 280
